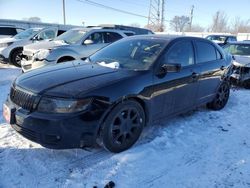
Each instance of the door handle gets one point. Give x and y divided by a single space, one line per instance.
194 75
222 67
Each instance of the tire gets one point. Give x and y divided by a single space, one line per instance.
16 57
123 126
221 97
246 84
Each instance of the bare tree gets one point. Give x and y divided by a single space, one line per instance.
220 22
155 28
195 28
178 23
240 26
33 19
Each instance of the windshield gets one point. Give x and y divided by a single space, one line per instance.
238 49
28 33
217 38
71 36
133 54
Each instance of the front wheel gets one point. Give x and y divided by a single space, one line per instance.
221 97
123 126
16 57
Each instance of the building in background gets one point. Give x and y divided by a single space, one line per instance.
29 24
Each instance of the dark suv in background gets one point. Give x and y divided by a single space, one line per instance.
222 39
9 31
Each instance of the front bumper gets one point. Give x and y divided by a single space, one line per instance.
240 76
4 58
55 131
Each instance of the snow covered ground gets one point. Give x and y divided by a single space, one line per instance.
201 149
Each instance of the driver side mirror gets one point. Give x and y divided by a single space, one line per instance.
36 38
165 68
88 42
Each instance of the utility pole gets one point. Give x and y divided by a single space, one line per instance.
64 17
162 15
191 17
156 15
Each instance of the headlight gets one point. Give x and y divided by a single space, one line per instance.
55 105
5 44
41 54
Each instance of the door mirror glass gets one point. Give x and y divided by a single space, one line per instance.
172 67
88 42
165 68
35 38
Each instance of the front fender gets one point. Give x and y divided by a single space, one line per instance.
56 54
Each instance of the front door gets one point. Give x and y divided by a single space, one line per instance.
176 91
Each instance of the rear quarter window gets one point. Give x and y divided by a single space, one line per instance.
129 34
205 52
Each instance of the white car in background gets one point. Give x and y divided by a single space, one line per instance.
11 48
76 43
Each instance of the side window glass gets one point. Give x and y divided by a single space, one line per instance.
111 37
205 52
47 34
96 38
218 54
181 53
129 34
233 39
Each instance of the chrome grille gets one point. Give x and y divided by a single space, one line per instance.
23 99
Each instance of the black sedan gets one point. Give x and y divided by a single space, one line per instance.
241 64
112 96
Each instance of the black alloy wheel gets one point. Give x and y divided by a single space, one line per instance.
123 126
221 97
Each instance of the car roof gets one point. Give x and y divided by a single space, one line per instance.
99 29
167 37
10 26
239 42
222 35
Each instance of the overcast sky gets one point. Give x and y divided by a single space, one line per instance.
78 12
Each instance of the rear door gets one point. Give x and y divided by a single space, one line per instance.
100 40
176 91
212 65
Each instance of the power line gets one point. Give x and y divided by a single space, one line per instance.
111 8
93 3
134 3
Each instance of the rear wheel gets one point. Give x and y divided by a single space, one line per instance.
16 57
246 84
123 126
221 97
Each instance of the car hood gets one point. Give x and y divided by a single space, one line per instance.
44 45
69 79
242 60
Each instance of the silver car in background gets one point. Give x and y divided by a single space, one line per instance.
11 48
74 44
